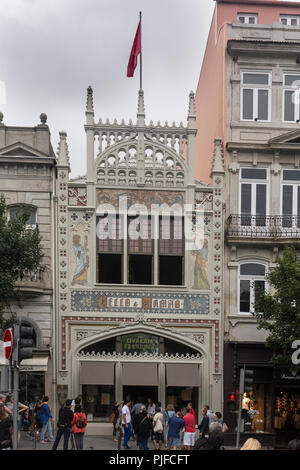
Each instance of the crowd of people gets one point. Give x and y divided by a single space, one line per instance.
167 428
141 423
38 422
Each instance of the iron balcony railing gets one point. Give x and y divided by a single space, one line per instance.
262 226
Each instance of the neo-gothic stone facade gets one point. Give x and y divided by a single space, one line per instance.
146 164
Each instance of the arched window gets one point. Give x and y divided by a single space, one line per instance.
17 210
251 275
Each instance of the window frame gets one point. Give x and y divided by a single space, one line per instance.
289 18
254 182
20 206
247 16
252 278
256 88
296 104
295 184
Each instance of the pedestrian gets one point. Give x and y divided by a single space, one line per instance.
136 408
135 419
76 401
21 408
36 419
189 429
143 429
114 418
79 424
158 428
26 420
64 425
46 418
190 409
251 444
210 414
170 412
5 430
126 423
175 425
2 402
204 425
214 441
150 407
294 444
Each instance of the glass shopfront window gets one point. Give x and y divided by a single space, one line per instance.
32 385
257 404
98 401
179 397
256 409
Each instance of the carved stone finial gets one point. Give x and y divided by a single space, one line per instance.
218 157
192 107
89 106
141 109
43 118
62 150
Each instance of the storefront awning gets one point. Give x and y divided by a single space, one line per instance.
183 375
139 373
97 373
36 364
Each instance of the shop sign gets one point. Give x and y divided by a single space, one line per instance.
140 343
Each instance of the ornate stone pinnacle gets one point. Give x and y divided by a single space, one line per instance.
89 100
141 109
192 107
62 150
218 156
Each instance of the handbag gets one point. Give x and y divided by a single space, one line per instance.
112 417
225 427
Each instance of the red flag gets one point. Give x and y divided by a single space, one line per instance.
135 51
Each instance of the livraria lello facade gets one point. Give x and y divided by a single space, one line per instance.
139 293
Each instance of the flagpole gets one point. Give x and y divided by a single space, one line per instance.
141 87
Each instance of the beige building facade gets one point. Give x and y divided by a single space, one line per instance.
27 179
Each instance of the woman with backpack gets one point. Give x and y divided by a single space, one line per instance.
79 424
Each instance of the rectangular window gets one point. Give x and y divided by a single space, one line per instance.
109 245
289 20
171 250
253 199
251 276
291 199
140 269
247 18
256 96
140 250
17 211
291 98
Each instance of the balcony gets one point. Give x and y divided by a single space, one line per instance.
35 282
282 229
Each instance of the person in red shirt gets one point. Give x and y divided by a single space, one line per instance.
79 424
190 409
189 429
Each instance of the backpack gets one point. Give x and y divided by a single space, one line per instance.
81 422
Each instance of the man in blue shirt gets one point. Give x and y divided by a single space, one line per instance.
175 424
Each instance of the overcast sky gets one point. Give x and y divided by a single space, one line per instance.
52 50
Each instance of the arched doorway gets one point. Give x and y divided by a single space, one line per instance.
139 365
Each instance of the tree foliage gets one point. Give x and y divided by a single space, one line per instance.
20 252
277 309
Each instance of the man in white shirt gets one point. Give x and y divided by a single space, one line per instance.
126 423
